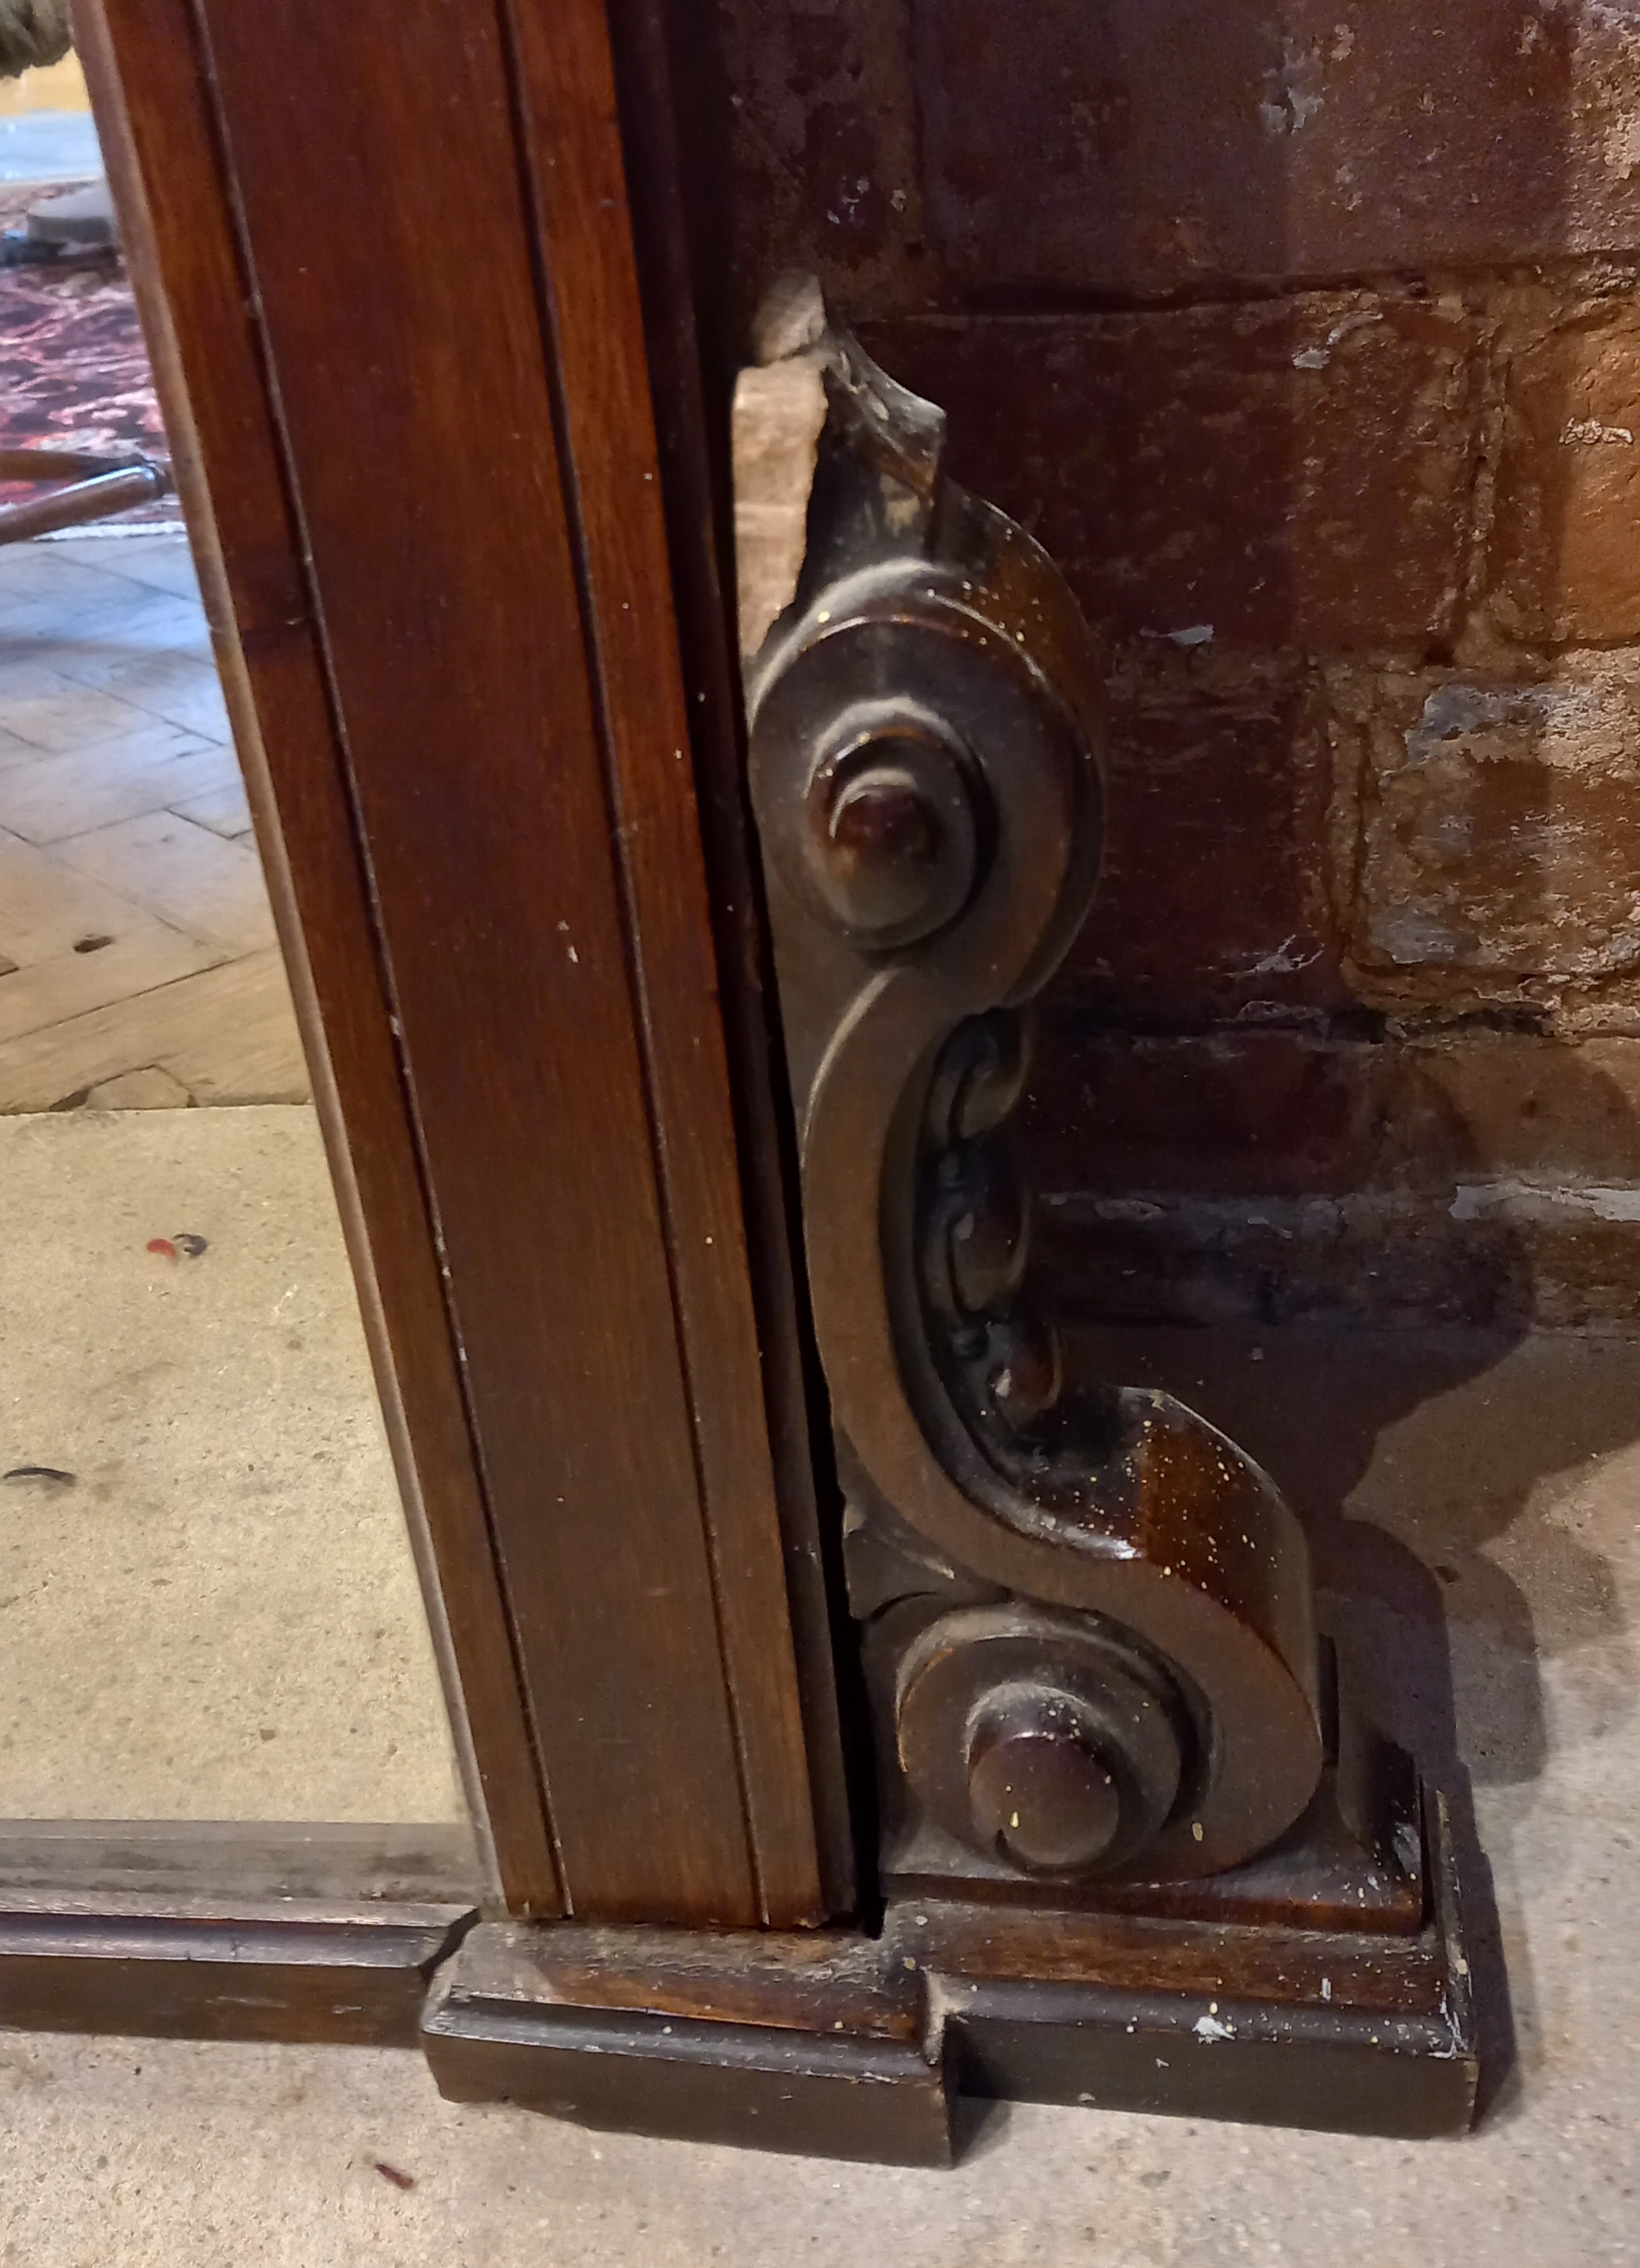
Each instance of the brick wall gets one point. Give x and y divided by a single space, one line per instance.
1310 346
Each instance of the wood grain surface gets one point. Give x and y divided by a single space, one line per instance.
434 479
221 1969
575 163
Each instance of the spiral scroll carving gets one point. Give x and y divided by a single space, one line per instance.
1095 1609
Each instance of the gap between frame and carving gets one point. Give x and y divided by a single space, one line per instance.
676 248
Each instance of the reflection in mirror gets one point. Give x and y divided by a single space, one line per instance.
209 1609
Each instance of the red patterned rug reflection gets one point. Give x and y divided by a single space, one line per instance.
74 371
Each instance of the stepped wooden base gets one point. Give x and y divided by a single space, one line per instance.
819 2045
1358 2031
851 2047
1320 1986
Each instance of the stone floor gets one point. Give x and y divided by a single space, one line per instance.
138 959
1515 1472
216 1616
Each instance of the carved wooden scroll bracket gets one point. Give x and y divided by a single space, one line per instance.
1088 1613
1135 1850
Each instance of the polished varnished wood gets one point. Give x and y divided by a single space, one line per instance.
591 276
1087 1617
84 488
195 1967
860 2047
692 433
1352 2031
435 314
456 652
809 2045
230 1929
415 390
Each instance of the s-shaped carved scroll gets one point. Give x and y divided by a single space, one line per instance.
1090 1613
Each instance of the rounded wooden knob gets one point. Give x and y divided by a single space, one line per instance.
1057 1749
890 845
1041 1792
885 837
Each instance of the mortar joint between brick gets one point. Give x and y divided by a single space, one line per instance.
1491 382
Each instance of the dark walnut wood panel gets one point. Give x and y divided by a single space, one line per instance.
417 396
158 133
576 165
646 1390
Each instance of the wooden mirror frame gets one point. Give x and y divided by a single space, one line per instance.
418 294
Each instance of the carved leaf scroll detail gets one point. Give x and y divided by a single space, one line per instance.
926 733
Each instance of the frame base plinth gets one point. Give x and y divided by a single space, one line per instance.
1356 2031
813 2045
852 2047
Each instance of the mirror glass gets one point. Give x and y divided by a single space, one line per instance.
208 1607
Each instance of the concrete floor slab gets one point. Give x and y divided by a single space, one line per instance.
218 1615
1500 1559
